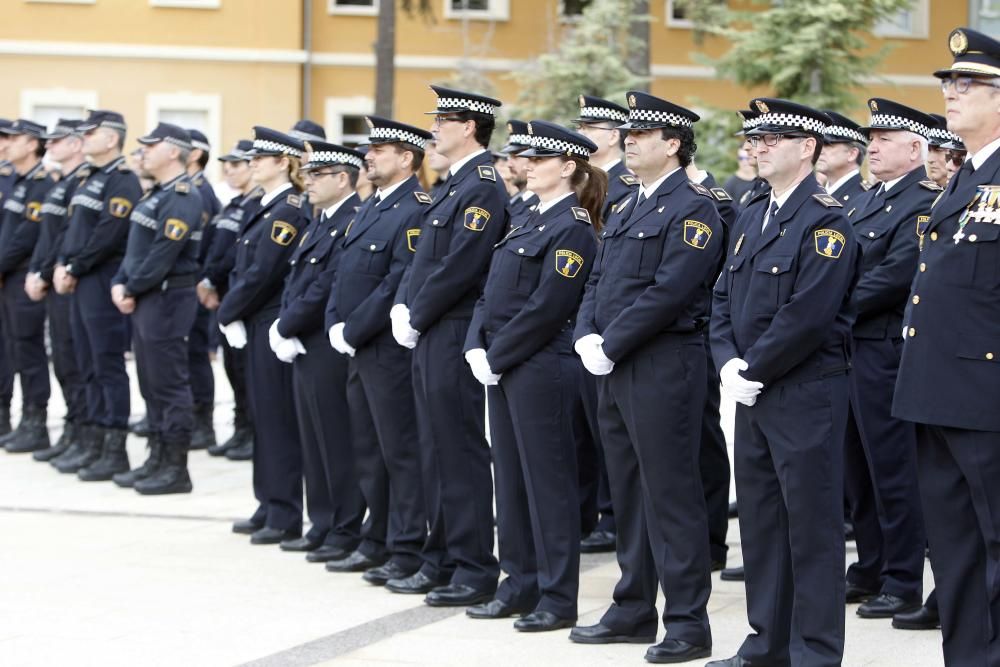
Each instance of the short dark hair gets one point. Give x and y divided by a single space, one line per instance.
202 159
39 148
687 148
418 154
862 152
351 171
819 146
485 124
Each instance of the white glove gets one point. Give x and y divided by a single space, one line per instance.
737 387
476 359
273 337
591 353
286 350
235 333
404 334
904 332
338 342
299 347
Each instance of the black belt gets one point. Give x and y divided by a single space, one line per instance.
173 282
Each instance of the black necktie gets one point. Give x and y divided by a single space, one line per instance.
967 170
770 215
378 198
642 199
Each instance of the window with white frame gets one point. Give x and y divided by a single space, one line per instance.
909 23
677 16
344 120
356 7
573 8
49 105
190 111
485 10
187 4
984 15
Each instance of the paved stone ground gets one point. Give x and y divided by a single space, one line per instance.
95 575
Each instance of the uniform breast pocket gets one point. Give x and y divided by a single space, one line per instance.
870 240
246 250
642 248
375 259
981 239
520 266
437 234
772 280
732 270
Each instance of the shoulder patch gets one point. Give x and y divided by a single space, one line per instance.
931 185
721 194
183 187
33 211
175 229
697 234
423 197
568 263
476 218
829 242
487 173
828 201
119 207
581 214
629 180
294 200
700 189
283 233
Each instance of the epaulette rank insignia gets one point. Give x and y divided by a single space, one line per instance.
721 194
183 187
581 214
629 179
6 170
700 189
931 185
83 173
122 166
866 186
487 173
423 197
294 200
199 181
41 175
828 201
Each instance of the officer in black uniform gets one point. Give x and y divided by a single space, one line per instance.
24 319
881 451
750 120
781 338
522 204
937 154
377 250
319 375
948 377
8 175
433 308
844 149
64 146
90 255
519 346
640 330
215 283
155 285
246 313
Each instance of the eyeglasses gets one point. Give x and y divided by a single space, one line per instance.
957 158
963 83
592 126
310 175
770 140
440 120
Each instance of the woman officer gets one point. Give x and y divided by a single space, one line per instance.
246 312
520 346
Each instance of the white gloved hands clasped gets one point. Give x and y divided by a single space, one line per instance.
404 334
235 333
337 340
591 352
285 349
737 387
477 361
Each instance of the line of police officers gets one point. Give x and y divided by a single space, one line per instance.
854 326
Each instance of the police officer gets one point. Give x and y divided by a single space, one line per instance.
749 119
438 164
639 330
90 255
319 375
937 154
948 378
24 319
64 145
7 178
377 250
246 314
155 285
524 201
781 339
519 346
215 283
880 453
844 148
432 313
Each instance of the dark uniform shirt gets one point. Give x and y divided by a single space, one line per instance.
8 176
227 226
851 191
757 187
55 218
211 206
163 239
621 184
521 207
22 215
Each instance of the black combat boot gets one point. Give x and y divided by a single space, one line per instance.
4 420
76 445
91 444
127 480
172 475
11 434
70 435
113 459
34 433
243 451
140 427
239 436
203 436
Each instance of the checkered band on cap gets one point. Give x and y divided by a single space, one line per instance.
114 125
792 120
603 112
884 120
274 146
942 135
336 157
463 104
177 142
397 134
60 129
567 147
519 139
751 123
202 145
653 116
846 132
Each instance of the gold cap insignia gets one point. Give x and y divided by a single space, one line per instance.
958 43
510 129
371 125
762 107
631 101
873 104
583 102
530 129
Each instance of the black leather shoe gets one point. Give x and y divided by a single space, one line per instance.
247 527
418 583
718 565
542 621
355 562
602 634
674 650
243 452
733 511
326 553
886 606
301 544
733 574
456 595
856 594
495 609
599 541
735 661
378 576
924 618
268 535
